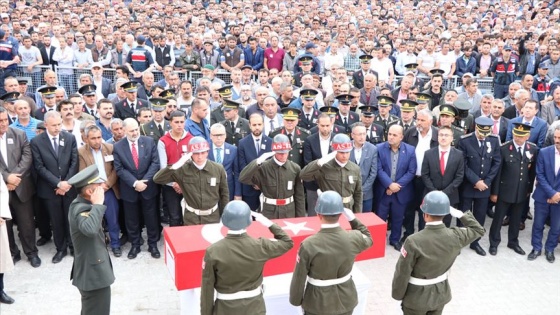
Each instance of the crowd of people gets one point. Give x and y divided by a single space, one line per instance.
351 97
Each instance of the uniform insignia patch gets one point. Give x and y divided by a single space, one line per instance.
403 252
85 214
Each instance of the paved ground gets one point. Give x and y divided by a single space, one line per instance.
505 284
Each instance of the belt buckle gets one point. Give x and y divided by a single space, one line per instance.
281 202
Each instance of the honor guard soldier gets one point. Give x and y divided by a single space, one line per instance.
464 119
217 114
358 76
278 179
296 135
374 133
92 271
384 118
306 64
408 111
420 279
336 172
513 186
158 126
447 116
47 95
322 281
203 183
237 127
233 266
309 112
345 116
332 112
481 151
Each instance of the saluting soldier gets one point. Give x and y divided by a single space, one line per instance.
236 126
233 266
309 112
295 134
408 111
358 76
336 172
217 115
332 112
345 116
447 116
306 64
464 119
374 133
322 281
278 179
420 279
158 126
203 183
384 118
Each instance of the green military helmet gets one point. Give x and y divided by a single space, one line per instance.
281 144
341 143
237 215
435 203
329 203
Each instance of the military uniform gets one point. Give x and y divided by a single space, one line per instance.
391 120
298 138
151 130
297 78
308 123
375 134
465 124
406 126
237 132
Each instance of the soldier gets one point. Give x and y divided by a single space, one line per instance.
374 133
481 152
358 76
309 112
336 172
306 64
322 281
423 100
47 95
420 279
504 70
279 181
384 118
464 119
236 126
158 126
447 116
408 110
85 216
217 114
512 186
233 266
345 116
203 183
296 135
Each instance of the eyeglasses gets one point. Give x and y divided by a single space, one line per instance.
219 135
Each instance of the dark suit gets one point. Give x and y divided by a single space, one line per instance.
538 132
503 127
52 168
230 162
510 112
217 114
239 132
351 118
372 100
21 199
47 60
312 152
368 170
134 201
151 130
452 178
358 77
247 152
308 123
375 134
106 87
123 110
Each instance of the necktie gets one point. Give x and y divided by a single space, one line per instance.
92 113
134 155
345 122
495 127
119 58
55 145
406 127
481 146
307 115
257 146
368 132
219 155
271 125
442 162
519 152
290 137
132 106
160 129
232 124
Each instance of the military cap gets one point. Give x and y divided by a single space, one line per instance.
484 125
462 105
47 91
437 71
365 58
41 125
384 101
448 109
308 94
88 89
367 110
167 94
521 129
411 66
230 104
158 104
225 91
329 110
130 86
408 105
345 99
10 97
423 98
306 60
290 113
87 176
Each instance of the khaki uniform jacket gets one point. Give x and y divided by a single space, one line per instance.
347 180
277 182
236 264
92 268
429 254
328 255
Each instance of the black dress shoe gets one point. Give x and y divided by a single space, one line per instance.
124 239
533 255
5 299
529 215
493 250
42 241
506 221
16 258
490 213
117 251
517 249
35 261
549 256
133 252
58 256
72 251
478 250
397 246
154 251
521 226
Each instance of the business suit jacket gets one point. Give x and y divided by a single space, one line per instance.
548 112
308 123
368 168
538 132
20 161
502 132
246 153
452 178
372 97
148 165
46 60
52 168
123 110
230 163
406 171
548 182
411 137
476 100
312 152
149 129
86 159
510 112
358 77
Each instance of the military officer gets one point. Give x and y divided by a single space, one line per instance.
322 281
423 101
464 119
374 133
167 94
309 112
47 95
336 172
345 116
384 118
481 151
306 64
217 114
420 279
512 186
233 266
158 126
203 183
236 126
408 110
295 134
278 179
447 116
92 271
332 112
358 76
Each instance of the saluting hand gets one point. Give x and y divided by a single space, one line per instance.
98 196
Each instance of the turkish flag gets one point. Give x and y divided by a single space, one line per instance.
185 245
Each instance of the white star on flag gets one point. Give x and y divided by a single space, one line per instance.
296 227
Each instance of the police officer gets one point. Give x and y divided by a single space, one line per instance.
420 279
158 126
336 172
203 183
296 135
504 71
233 266
384 118
447 116
309 112
236 126
374 133
279 181
322 281
464 119
92 271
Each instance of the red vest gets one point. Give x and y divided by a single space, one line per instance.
175 149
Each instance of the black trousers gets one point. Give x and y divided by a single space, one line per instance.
96 302
58 208
132 213
1 282
413 207
22 215
253 201
173 202
479 206
42 219
502 208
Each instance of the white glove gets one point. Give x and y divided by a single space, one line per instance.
265 157
182 161
456 213
349 214
325 159
259 217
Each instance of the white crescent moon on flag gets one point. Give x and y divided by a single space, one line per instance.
212 232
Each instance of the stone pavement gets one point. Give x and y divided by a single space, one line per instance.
504 284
